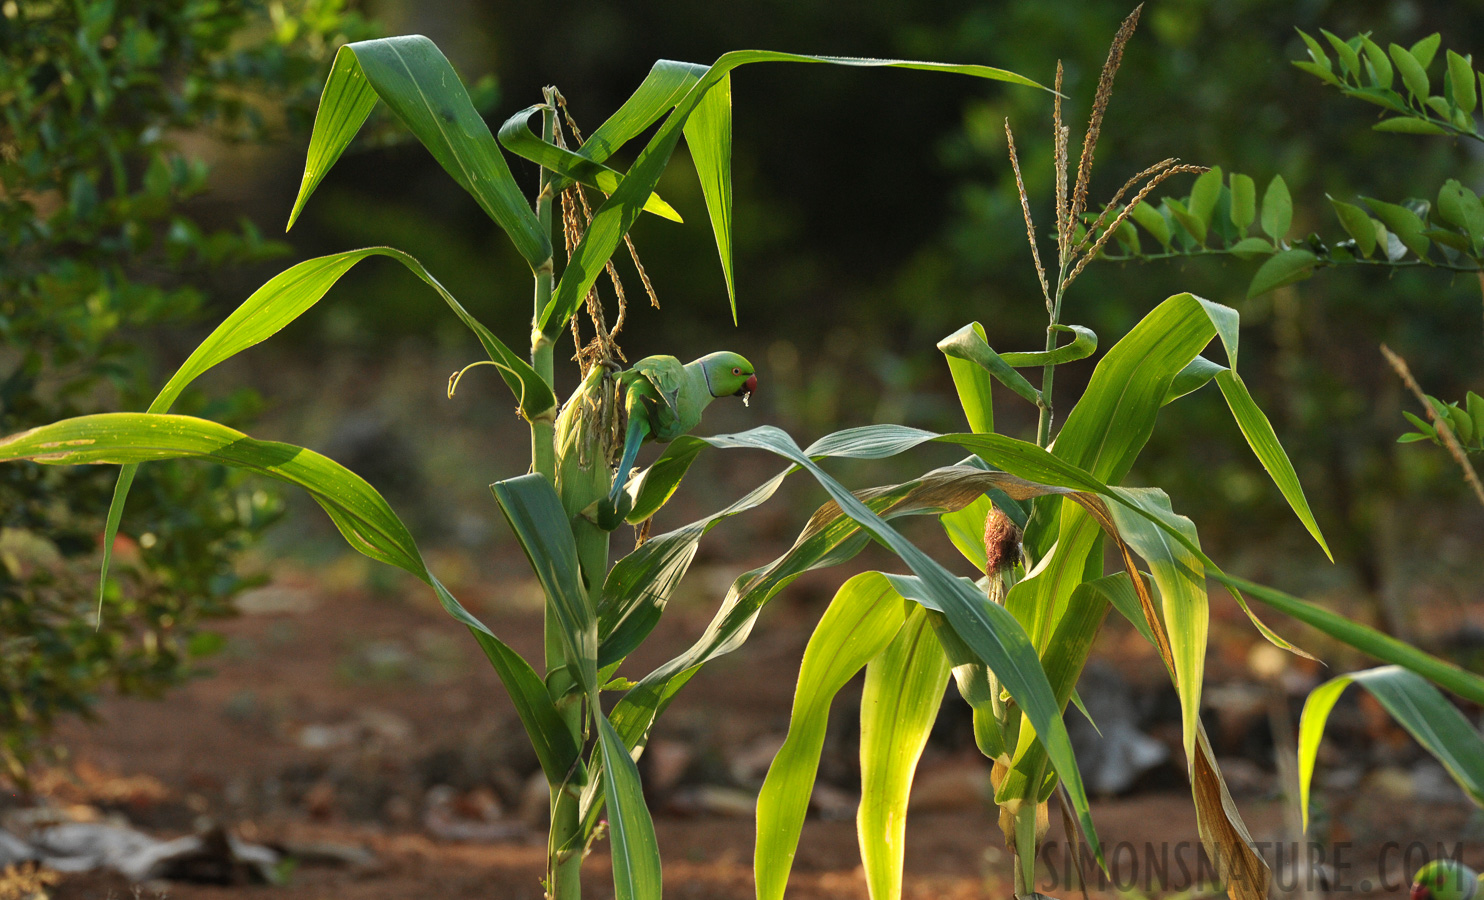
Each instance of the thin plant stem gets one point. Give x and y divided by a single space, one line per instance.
543 427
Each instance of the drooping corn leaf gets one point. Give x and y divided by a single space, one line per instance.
415 79
666 84
708 134
613 220
899 703
517 137
283 299
636 852
1084 344
358 511
861 621
975 387
968 344
1418 706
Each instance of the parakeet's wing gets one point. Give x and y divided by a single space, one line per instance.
667 375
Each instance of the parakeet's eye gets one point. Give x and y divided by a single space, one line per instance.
736 371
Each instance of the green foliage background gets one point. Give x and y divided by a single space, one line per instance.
102 257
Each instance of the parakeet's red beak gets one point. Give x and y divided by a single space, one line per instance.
1420 892
749 386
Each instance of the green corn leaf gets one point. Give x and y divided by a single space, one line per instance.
1426 49
535 514
968 344
1404 223
1409 126
614 218
977 685
708 134
1263 440
1277 209
860 623
1349 58
1181 580
363 518
1414 76
273 306
412 75
1385 648
1288 267
899 703
1103 435
517 137
1204 194
1357 224
1380 66
1251 248
975 386
1196 375
1244 201
636 852
1084 344
1461 78
1418 706
666 85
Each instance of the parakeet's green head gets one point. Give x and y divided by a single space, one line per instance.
728 374
1445 879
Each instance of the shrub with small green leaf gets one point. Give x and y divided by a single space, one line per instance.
97 248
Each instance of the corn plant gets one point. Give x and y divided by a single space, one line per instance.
1016 661
1035 519
595 616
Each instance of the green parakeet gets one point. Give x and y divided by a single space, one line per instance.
1446 879
665 399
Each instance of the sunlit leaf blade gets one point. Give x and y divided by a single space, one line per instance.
1264 443
858 625
1418 706
975 388
968 344
636 853
534 511
1084 344
517 137
1182 591
899 703
283 299
344 104
358 511
613 220
976 684
708 134
666 84
414 78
